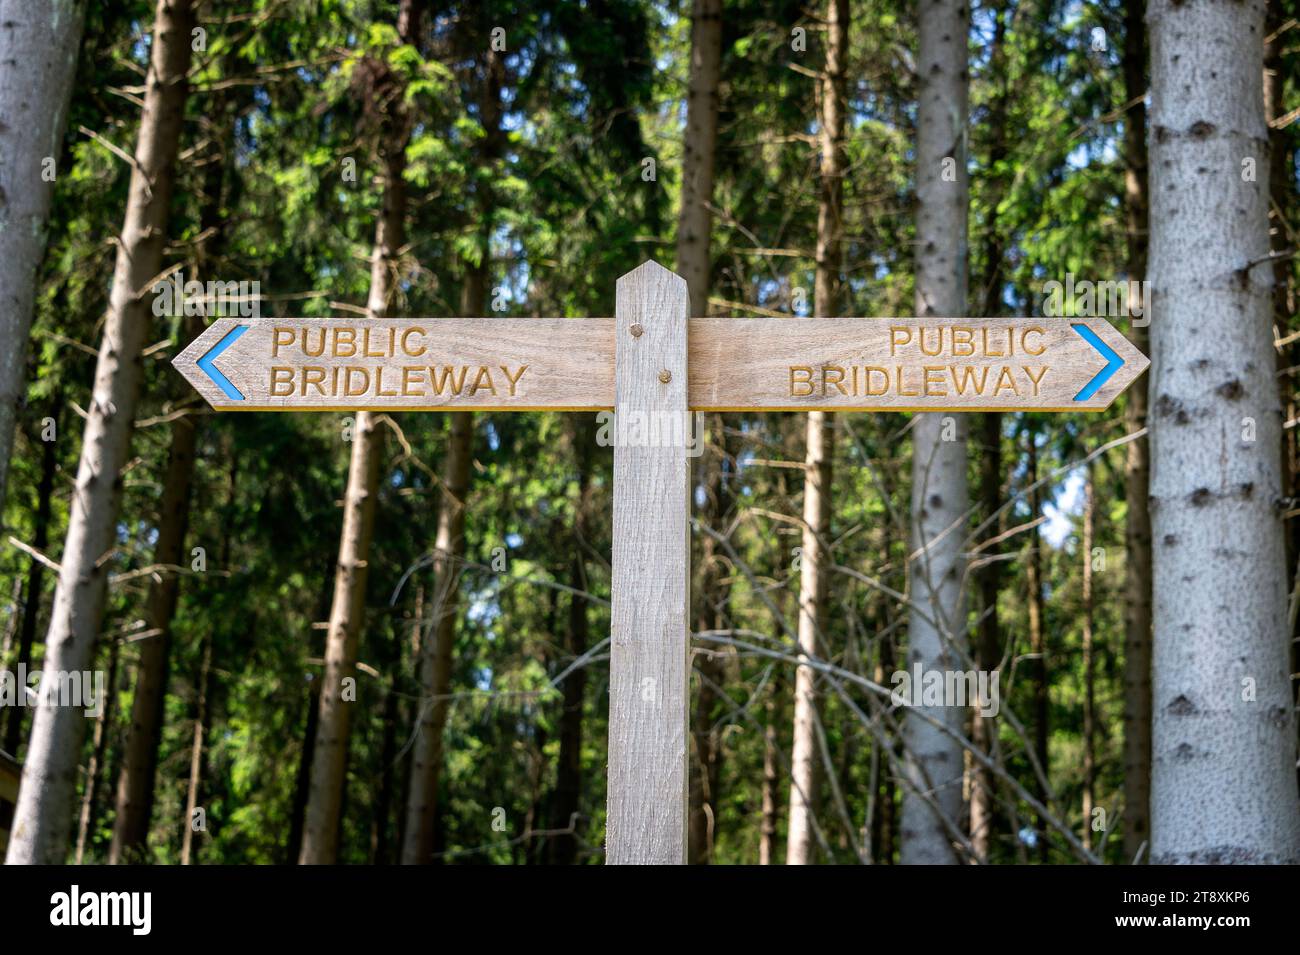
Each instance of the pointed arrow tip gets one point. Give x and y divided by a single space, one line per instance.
1113 362
206 365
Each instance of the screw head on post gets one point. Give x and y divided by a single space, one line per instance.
636 329
665 376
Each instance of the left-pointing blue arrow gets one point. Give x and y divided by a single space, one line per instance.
1113 362
215 351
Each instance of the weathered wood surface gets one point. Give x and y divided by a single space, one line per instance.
772 364
903 364
432 364
649 688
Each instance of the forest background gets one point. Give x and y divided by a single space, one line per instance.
513 159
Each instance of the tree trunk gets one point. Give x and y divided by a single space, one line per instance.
98 751
772 775
202 714
988 578
933 761
566 801
203 693
819 443
328 766
329 750
35 573
302 783
1089 667
1282 195
40 833
38 60
695 220
883 842
135 785
1137 466
773 759
1037 668
988 647
804 758
542 808
405 718
421 826
435 654
711 596
1223 785
694 226
380 839
11 621
136 782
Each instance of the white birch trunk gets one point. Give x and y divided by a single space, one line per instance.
42 818
819 443
38 60
1223 767
937 625
804 756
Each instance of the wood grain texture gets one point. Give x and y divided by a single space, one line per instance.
448 364
808 364
650 589
772 364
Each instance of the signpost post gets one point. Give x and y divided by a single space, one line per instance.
653 364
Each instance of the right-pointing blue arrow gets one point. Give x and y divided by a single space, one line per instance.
1113 362
213 372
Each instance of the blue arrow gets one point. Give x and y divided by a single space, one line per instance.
215 374
1113 362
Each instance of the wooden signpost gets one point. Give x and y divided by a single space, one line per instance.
654 364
